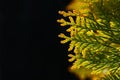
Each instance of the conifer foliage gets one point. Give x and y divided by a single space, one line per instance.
94 36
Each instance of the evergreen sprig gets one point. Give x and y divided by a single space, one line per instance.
94 34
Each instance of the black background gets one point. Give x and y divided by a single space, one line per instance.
30 47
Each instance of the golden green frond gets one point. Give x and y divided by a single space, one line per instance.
94 35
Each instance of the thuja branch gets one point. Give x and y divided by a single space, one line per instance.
94 34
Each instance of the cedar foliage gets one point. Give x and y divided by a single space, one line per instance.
93 36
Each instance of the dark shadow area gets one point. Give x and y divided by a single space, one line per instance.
16 47
30 47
